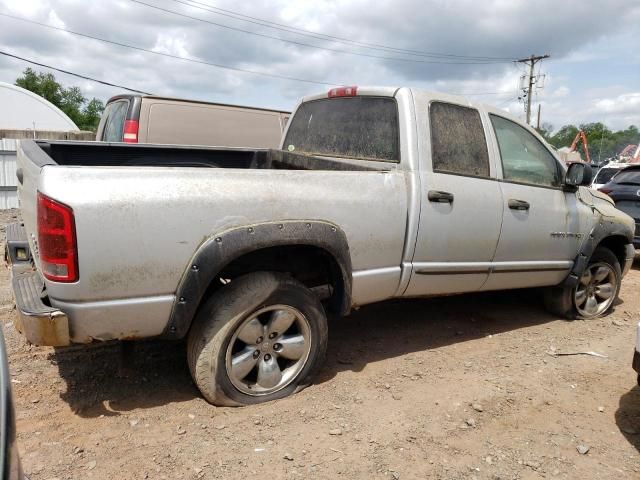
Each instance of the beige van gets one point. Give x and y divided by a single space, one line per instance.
150 119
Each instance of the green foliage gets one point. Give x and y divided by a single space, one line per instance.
603 142
84 113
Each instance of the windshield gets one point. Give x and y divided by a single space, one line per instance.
605 174
354 127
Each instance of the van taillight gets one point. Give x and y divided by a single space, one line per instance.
130 134
57 240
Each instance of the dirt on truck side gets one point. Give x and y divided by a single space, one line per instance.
460 387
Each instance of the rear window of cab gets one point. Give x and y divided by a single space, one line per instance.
357 127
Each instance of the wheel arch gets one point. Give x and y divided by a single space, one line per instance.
606 233
617 244
311 251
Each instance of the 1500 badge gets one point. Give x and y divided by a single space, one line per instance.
566 235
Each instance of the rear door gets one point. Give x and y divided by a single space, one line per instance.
461 203
541 228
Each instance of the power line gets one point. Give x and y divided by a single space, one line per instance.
168 55
176 57
309 45
506 102
322 36
73 74
480 93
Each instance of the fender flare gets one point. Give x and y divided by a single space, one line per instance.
601 230
219 250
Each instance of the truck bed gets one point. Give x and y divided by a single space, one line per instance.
141 211
69 153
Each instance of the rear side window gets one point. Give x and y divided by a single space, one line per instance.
116 114
458 144
628 177
524 158
352 127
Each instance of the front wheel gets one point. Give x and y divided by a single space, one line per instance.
595 292
257 339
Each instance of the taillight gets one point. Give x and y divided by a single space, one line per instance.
605 190
343 92
57 240
130 134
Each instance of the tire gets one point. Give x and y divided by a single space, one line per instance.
569 302
257 304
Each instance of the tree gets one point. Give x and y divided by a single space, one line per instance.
603 142
546 129
84 113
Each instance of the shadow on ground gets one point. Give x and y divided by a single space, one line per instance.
628 416
399 327
109 379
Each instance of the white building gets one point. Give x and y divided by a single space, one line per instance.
23 114
21 109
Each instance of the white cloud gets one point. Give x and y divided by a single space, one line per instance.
627 103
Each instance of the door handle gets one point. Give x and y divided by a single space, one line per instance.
440 197
515 204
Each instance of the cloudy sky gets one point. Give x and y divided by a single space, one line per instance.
303 46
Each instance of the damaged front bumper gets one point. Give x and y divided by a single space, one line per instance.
40 323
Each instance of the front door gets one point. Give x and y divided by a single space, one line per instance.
461 205
541 231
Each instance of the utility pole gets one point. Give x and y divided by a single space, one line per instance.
539 105
531 61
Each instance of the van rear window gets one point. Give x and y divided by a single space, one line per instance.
352 127
115 114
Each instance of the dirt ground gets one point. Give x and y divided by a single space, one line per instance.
455 388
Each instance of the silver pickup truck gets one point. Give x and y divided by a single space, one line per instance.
376 193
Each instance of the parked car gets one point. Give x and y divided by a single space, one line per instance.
151 119
606 173
376 193
624 190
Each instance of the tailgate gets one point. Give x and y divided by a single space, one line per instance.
31 159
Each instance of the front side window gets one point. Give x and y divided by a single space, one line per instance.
458 144
116 113
524 158
353 127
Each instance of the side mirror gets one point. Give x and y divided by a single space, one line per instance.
578 174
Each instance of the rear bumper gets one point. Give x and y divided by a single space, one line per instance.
45 320
40 323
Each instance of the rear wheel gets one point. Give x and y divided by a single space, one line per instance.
257 339
597 289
